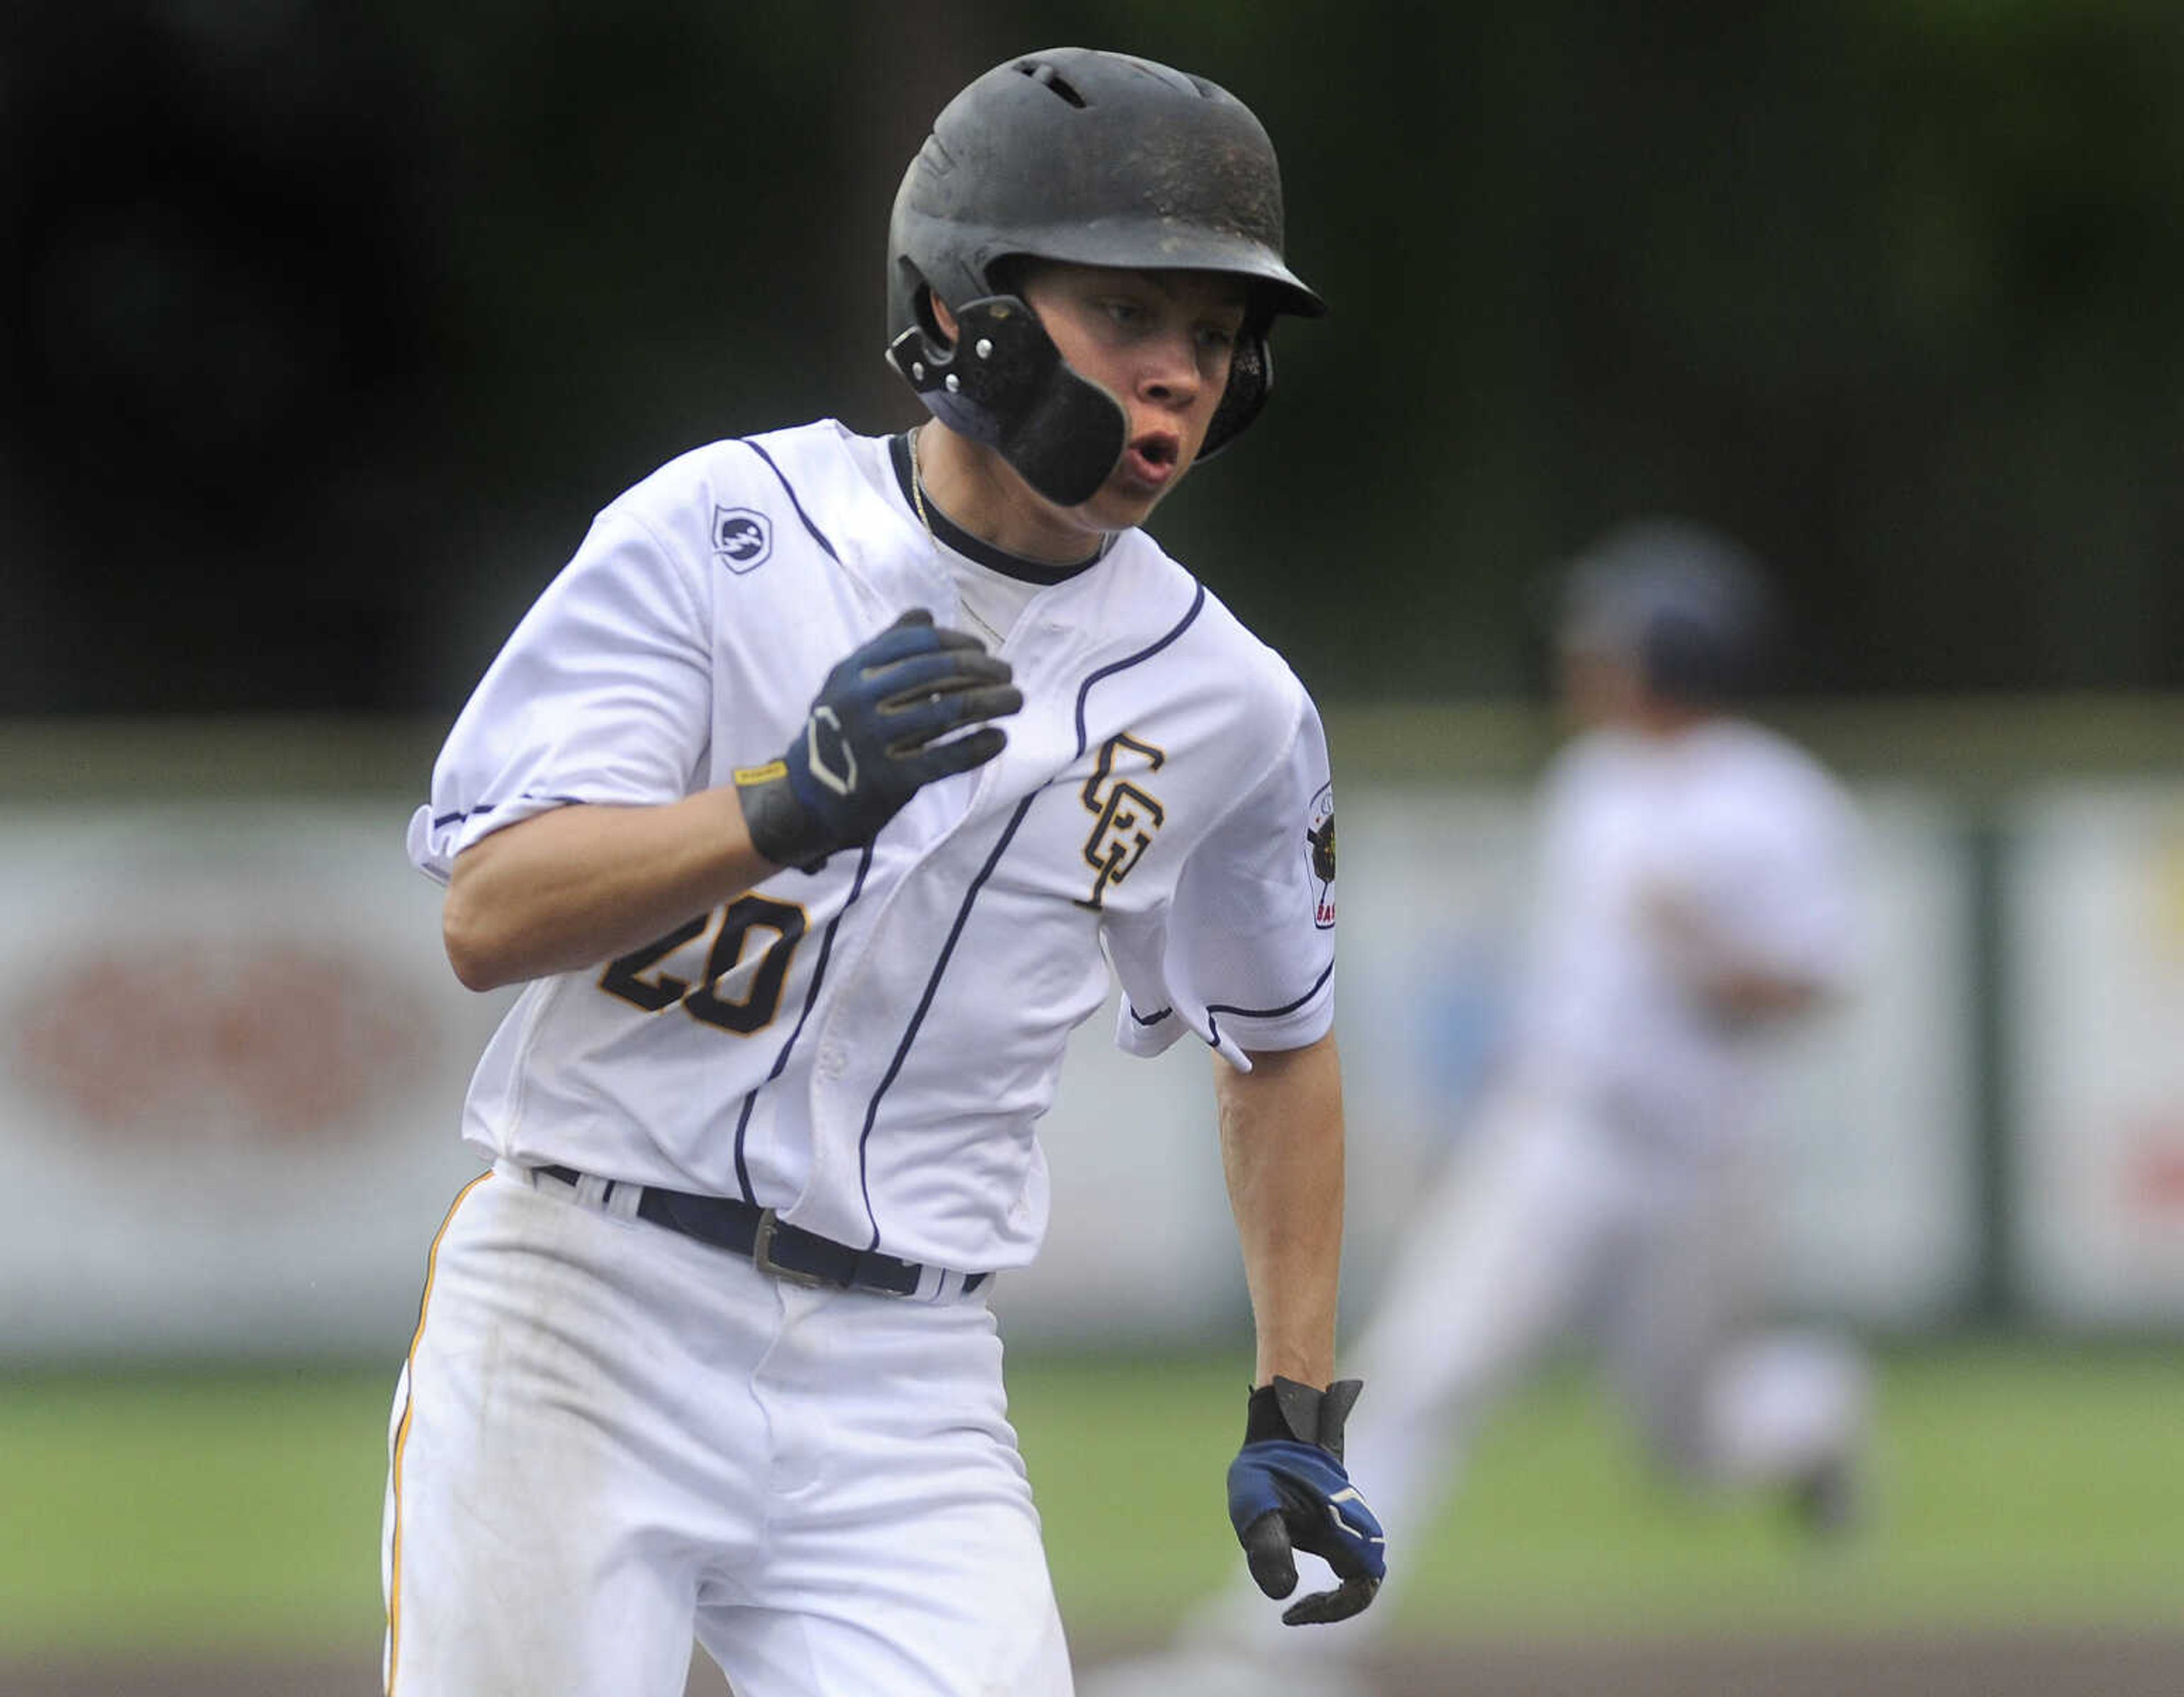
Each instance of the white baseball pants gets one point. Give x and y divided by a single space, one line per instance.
609 1439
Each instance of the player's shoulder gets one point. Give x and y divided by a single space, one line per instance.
742 501
1751 752
763 466
1589 761
1209 635
1759 773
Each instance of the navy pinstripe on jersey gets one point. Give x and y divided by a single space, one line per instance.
810 999
970 896
893 1104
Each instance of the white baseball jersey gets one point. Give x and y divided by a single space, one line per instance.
866 1048
1729 820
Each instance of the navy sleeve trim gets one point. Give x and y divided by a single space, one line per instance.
1150 1019
1214 1023
441 821
789 489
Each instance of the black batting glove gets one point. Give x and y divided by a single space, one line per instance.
1287 1491
878 731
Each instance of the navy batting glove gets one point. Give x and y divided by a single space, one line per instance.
878 731
1287 1491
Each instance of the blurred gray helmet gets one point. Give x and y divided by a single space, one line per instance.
1691 609
1092 158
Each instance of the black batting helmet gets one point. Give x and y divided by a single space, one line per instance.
1691 608
1092 158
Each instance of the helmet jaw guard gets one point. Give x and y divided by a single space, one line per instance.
1004 383
1083 158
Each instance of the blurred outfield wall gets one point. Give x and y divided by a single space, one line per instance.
233 1056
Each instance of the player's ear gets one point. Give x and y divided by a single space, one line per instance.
944 320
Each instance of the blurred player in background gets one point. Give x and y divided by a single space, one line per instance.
1694 901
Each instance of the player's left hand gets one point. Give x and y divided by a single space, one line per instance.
883 726
1287 1491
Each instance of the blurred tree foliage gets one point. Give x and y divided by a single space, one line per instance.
324 328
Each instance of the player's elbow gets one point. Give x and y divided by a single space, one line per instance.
474 966
475 948
1768 998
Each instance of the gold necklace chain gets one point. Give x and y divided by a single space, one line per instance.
918 490
924 518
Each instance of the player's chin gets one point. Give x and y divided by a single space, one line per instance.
1126 499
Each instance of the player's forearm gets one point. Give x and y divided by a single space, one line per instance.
569 889
1282 1150
1746 995
1735 985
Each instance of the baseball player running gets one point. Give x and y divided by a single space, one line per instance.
812 804
1694 898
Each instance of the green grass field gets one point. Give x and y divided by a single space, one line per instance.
2018 1486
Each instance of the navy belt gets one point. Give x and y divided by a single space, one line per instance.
786 1252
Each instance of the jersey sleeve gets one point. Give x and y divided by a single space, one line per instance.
602 694
1775 881
1245 957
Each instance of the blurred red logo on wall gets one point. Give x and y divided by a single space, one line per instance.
194 1038
2156 1174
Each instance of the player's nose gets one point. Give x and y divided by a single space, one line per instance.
1169 371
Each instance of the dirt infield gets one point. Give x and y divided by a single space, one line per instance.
2030 1664
2026 1664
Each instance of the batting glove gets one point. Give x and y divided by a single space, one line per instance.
874 737
1287 1491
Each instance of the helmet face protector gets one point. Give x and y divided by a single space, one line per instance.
1083 158
1005 384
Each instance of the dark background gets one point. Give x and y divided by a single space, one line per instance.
325 327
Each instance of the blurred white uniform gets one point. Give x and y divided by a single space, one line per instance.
1612 1177
1609 1180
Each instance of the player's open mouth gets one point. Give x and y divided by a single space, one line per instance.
1153 457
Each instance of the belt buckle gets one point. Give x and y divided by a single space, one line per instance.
762 1258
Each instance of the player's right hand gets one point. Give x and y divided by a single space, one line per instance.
878 730
1287 1491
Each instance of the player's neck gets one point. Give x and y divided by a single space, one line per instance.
982 494
1665 721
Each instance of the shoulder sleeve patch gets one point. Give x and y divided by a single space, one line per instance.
1319 847
742 538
